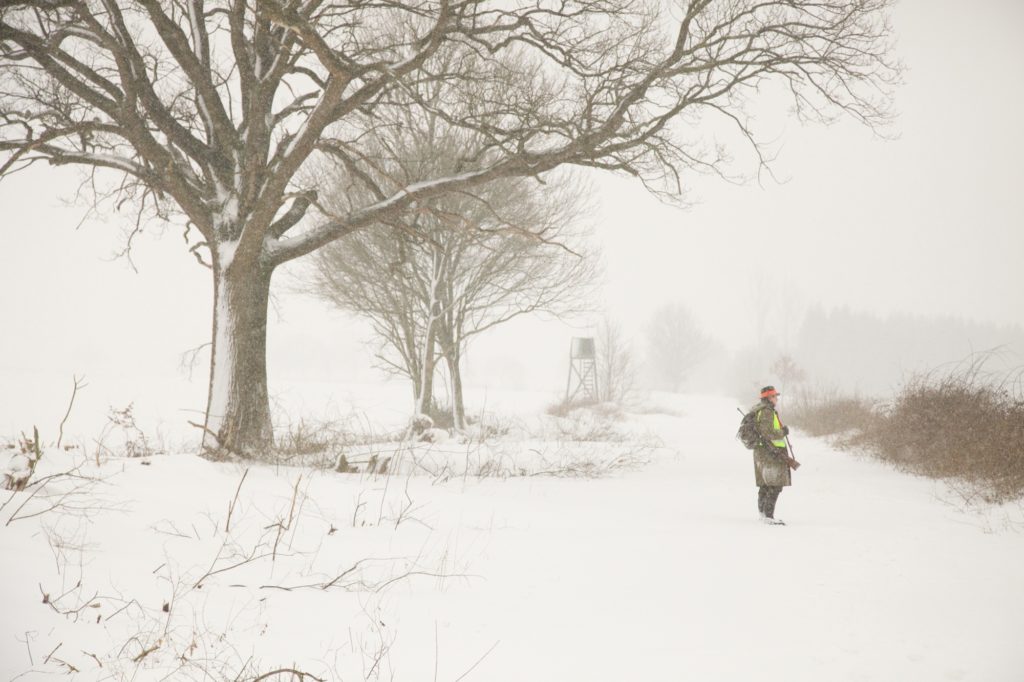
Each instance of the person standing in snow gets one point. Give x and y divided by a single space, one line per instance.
771 458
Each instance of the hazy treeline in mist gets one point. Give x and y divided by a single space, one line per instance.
873 355
857 353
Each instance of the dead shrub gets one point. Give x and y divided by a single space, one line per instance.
961 426
304 438
122 437
608 411
828 413
321 444
494 426
563 407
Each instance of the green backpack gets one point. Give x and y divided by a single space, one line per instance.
748 433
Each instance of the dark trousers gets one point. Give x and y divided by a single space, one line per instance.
766 498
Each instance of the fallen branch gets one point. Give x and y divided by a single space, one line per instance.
203 428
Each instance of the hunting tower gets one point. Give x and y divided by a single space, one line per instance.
582 382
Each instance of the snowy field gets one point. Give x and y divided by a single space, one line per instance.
173 567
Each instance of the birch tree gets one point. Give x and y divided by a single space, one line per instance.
206 111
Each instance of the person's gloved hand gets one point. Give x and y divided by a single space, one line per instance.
785 430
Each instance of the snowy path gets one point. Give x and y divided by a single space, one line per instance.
666 575
662 574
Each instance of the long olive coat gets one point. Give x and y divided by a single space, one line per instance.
770 464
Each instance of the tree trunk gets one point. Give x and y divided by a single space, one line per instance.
428 374
426 379
238 409
458 405
423 384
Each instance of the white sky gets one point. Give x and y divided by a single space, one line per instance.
929 223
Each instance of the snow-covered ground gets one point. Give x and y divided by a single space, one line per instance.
173 567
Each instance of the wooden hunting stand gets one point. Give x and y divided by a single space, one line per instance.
582 382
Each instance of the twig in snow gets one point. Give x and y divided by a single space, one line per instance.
295 673
29 647
74 391
122 609
247 560
384 585
146 652
62 499
89 603
359 505
231 507
404 514
47 659
479 661
282 527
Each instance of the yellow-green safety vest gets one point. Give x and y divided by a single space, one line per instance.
780 443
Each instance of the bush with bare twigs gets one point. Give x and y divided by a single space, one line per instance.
567 409
827 413
321 444
589 422
963 425
122 436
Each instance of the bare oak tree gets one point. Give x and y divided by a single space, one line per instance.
208 109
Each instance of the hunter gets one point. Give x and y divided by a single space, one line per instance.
771 457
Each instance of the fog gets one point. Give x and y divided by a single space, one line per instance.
921 228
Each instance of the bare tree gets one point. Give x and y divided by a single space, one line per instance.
616 363
788 371
675 345
206 110
463 264
503 277
363 276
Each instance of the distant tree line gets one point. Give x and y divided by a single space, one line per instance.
875 355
